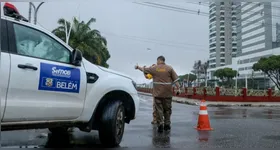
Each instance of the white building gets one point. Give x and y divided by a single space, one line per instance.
244 64
259 25
222 33
258 36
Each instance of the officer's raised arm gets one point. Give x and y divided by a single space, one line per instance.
149 70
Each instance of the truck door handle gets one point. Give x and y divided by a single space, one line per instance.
27 67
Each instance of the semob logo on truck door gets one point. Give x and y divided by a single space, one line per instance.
59 78
61 72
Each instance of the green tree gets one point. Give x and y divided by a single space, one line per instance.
271 67
188 77
90 42
226 75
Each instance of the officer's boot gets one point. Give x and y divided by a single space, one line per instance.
160 128
167 127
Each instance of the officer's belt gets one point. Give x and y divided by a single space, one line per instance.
166 83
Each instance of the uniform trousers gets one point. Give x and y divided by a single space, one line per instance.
163 107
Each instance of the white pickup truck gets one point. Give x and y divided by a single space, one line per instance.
47 84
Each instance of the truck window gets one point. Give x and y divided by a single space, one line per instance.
4 37
31 42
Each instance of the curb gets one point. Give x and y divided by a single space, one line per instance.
194 102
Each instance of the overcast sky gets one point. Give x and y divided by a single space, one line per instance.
131 29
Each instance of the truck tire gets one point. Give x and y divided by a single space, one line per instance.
112 124
58 130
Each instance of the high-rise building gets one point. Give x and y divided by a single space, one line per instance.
223 19
258 35
259 27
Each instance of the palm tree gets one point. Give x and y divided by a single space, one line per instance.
82 37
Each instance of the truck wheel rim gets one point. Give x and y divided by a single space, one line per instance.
119 122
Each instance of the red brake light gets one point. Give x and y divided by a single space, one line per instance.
11 7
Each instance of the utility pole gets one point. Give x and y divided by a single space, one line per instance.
246 82
206 77
35 11
67 33
188 79
236 78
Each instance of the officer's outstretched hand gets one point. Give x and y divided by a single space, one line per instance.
136 66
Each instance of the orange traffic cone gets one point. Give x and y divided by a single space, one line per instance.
203 119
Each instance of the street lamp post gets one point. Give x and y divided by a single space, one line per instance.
29 12
246 81
264 81
188 79
206 77
35 11
67 34
236 79
236 76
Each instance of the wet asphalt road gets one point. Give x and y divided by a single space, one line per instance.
234 127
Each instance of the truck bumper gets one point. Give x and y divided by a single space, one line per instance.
136 100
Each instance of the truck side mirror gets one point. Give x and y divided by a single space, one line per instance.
77 57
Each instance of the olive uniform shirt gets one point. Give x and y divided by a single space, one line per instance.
163 77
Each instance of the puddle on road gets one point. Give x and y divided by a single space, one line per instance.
203 136
161 140
71 141
242 113
65 141
272 137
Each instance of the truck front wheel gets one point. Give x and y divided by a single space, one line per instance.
112 124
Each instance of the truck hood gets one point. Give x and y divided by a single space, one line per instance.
114 72
90 67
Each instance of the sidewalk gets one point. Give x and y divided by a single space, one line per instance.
220 104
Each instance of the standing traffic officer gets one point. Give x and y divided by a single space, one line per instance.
163 78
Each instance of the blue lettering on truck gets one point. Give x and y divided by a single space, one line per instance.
59 78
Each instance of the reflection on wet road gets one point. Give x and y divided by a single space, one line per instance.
234 127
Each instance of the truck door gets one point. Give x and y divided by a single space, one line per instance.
44 85
5 67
